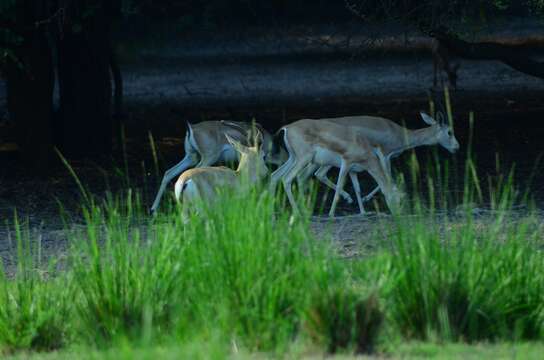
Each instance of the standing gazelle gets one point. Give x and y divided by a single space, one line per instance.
205 145
325 143
392 139
204 183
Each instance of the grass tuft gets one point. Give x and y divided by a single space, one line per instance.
34 310
342 319
466 284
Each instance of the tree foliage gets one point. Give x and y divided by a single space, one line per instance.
440 13
8 38
440 19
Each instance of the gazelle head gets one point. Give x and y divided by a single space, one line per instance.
274 153
393 195
444 133
252 163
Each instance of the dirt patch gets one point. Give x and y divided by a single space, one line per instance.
353 236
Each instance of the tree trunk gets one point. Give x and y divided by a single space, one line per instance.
85 118
507 54
29 83
118 115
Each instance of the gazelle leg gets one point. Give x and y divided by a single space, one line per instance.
382 181
357 188
339 187
379 171
298 165
321 175
371 194
387 168
170 174
304 175
285 168
308 171
280 173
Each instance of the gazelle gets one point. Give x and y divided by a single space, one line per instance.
392 139
203 183
442 62
205 145
325 143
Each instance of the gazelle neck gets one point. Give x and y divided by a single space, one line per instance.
250 170
419 137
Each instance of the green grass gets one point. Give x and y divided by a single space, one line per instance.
33 309
205 350
247 277
468 286
236 271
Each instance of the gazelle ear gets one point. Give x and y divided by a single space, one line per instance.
255 134
427 118
258 140
236 144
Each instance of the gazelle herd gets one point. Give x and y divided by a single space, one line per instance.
310 147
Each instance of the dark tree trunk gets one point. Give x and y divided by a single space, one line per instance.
511 55
85 118
118 82
118 114
29 82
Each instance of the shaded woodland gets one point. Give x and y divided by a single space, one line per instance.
71 45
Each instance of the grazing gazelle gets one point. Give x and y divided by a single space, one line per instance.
325 143
442 62
206 144
392 139
203 183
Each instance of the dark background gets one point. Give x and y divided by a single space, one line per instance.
96 79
